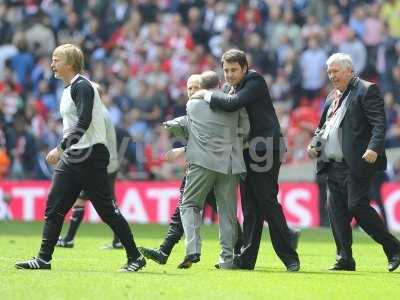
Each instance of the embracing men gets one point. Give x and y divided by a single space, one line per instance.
215 156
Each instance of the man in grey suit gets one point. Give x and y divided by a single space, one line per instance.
215 156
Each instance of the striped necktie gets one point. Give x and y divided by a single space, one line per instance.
335 103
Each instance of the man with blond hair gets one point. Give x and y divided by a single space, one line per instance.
82 158
78 210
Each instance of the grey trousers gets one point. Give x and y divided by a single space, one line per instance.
199 182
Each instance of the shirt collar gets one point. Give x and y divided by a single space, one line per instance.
72 80
75 78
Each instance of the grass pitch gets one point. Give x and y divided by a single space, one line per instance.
86 272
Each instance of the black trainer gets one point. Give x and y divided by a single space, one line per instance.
154 254
35 263
134 265
64 243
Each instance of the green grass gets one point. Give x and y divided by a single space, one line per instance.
85 272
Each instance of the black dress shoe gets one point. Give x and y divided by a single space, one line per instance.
189 260
342 265
154 254
294 267
394 263
238 263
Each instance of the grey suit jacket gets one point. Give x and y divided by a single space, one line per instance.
215 138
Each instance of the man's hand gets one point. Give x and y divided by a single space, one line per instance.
312 152
173 154
199 94
166 124
370 156
53 156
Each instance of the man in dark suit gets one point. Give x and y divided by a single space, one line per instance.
248 89
350 144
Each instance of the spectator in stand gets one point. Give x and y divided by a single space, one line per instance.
21 148
312 63
10 99
311 28
271 28
281 88
292 71
355 48
390 12
40 36
220 18
4 159
387 57
6 28
303 121
393 170
46 97
195 25
372 35
319 9
248 21
162 42
7 50
357 21
392 109
221 41
290 29
396 80
22 63
284 49
53 132
339 31
73 31
149 105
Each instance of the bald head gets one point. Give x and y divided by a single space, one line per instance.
193 84
209 80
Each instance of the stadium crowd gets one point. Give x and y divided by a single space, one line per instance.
142 51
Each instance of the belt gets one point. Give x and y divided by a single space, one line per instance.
337 161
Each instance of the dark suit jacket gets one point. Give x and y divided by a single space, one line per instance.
252 93
363 127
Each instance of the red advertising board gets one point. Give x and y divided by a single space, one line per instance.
391 199
154 202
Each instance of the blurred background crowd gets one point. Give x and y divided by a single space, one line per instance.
142 52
